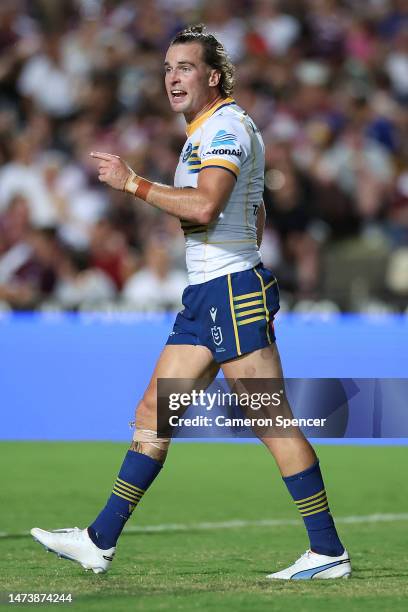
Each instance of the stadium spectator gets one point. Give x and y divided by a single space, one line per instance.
46 82
79 285
277 30
325 81
110 252
28 271
14 223
21 175
229 29
155 286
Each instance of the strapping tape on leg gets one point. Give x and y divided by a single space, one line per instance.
149 436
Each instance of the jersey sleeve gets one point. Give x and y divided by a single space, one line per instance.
225 143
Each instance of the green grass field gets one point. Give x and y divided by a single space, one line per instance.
196 567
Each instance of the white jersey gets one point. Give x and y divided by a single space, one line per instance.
223 137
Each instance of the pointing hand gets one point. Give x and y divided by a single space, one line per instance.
112 170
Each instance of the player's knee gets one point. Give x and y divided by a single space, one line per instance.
146 411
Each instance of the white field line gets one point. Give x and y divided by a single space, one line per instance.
242 524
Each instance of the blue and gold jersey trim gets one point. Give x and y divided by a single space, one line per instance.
194 125
192 228
219 162
194 161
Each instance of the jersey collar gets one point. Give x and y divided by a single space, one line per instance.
194 125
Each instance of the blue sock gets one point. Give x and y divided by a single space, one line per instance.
136 474
308 492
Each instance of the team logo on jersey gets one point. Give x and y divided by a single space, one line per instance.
213 313
217 335
223 138
187 152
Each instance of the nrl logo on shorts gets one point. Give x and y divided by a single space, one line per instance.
216 335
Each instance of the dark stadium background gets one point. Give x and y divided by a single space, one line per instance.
90 280
325 81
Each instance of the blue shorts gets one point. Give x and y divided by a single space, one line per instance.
231 315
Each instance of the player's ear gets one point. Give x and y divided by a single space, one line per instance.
214 77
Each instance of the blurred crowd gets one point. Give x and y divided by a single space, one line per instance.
326 81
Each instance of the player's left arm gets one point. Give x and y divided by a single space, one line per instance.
260 223
200 205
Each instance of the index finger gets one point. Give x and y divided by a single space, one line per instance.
105 156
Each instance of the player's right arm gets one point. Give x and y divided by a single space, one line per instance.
201 205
